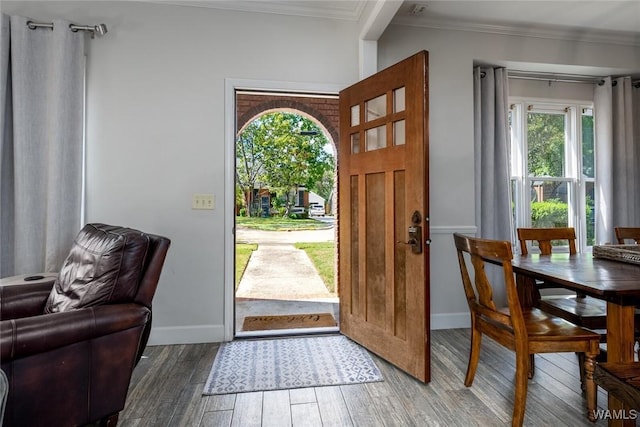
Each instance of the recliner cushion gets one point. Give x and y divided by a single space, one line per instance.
103 267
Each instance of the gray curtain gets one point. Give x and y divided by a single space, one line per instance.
491 154
492 146
617 123
41 153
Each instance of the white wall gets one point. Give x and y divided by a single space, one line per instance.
452 55
156 129
155 126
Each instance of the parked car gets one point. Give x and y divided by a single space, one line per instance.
316 209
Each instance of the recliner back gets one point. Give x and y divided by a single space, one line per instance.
104 266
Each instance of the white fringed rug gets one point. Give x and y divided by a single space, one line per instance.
286 363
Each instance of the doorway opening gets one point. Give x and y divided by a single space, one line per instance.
285 213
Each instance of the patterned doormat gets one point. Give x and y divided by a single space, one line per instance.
288 321
286 363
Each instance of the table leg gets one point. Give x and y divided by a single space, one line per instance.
620 344
528 292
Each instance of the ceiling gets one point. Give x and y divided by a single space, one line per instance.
579 16
615 21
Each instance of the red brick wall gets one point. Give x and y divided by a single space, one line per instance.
324 110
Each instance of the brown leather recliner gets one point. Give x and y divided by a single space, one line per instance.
69 344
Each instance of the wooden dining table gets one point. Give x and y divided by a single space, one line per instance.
616 282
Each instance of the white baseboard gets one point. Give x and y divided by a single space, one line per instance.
186 334
450 321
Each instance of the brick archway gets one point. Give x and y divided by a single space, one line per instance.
323 109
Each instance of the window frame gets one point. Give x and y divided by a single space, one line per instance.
521 180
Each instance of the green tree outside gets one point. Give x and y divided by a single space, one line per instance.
546 147
545 137
281 151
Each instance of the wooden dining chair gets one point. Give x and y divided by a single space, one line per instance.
576 308
627 233
526 331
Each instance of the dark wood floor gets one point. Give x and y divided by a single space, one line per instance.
166 390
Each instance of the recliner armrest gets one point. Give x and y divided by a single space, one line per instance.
37 334
24 299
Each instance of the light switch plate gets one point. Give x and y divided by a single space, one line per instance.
203 201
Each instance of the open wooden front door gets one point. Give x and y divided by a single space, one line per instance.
384 213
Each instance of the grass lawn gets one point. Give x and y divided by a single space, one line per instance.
243 253
279 223
323 256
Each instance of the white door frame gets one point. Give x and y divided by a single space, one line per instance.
231 85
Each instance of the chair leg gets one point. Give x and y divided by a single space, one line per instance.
532 366
590 385
523 362
581 362
474 356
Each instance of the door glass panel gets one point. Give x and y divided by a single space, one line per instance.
398 100
355 143
355 115
376 138
375 250
376 107
398 133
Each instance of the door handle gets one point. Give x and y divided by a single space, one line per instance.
415 239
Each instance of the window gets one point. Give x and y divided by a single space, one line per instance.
553 166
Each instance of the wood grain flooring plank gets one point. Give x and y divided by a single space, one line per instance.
146 422
302 395
419 400
204 364
217 419
143 393
145 364
190 406
276 409
464 406
332 407
384 396
248 410
130 422
359 404
305 415
221 402
489 389
168 393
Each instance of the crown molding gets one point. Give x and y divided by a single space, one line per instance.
341 10
544 32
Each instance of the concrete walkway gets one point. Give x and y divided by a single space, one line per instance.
280 271
280 279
